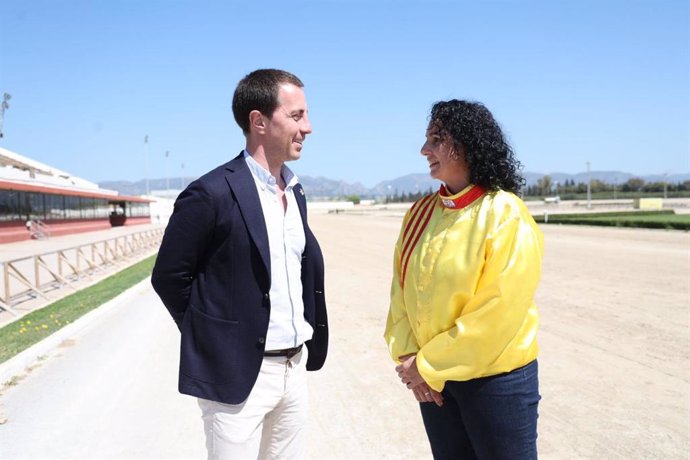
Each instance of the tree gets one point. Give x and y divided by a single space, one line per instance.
354 198
633 185
545 184
599 186
653 187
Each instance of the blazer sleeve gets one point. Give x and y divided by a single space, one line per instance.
183 249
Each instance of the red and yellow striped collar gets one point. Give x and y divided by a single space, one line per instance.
461 199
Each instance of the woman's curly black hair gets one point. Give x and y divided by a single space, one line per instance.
478 137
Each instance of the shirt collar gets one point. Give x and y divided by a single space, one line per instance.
289 177
264 178
462 199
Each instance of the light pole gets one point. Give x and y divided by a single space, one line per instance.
167 176
146 163
589 188
182 177
5 97
665 185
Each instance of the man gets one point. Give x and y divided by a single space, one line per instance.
241 274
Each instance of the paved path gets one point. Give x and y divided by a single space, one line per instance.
109 392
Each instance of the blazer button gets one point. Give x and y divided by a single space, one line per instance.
261 340
266 296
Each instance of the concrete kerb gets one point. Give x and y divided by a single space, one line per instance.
18 364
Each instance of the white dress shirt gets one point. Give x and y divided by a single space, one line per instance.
287 327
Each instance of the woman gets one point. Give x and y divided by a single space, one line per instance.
462 321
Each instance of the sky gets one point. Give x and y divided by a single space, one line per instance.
570 82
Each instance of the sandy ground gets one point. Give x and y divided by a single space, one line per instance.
614 361
614 338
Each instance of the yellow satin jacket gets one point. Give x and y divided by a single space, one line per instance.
462 296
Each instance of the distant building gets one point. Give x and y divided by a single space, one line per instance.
38 200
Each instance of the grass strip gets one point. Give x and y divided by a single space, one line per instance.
589 215
34 327
660 219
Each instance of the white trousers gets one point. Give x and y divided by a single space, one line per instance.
270 424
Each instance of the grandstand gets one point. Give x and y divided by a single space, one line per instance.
37 201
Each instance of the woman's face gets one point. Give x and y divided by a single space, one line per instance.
445 164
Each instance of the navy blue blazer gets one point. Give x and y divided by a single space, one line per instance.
213 275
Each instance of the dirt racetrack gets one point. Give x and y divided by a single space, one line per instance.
614 339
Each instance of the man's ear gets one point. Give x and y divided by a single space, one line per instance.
256 121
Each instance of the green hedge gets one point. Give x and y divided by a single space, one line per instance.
665 219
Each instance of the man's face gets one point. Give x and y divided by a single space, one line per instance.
288 126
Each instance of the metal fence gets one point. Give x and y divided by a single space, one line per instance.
36 276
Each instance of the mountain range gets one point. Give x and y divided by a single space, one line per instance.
321 187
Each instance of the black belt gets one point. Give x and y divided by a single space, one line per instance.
287 352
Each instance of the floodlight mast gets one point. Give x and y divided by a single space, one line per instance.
146 163
665 185
5 97
589 188
167 176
